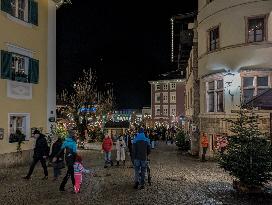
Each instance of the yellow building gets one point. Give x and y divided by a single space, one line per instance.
28 74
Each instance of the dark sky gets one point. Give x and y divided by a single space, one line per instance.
126 42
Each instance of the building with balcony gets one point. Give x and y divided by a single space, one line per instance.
234 60
167 99
28 74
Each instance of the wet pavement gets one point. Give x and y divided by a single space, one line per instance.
176 179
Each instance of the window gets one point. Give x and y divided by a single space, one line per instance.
165 110
18 127
254 85
256 29
25 10
215 96
157 87
157 110
173 97
157 98
165 97
19 68
214 39
165 86
173 110
173 86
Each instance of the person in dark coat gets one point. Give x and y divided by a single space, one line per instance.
58 164
41 152
140 150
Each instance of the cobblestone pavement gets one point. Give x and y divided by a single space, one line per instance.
176 179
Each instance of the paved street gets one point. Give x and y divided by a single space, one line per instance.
177 179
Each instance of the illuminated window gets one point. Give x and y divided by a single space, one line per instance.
18 127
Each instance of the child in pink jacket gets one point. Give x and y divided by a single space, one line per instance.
78 171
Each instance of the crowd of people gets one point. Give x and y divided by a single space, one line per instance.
65 154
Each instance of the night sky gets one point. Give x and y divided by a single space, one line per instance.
126 42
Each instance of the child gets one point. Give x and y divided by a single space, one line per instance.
78 170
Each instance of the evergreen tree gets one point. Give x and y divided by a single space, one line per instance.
248 154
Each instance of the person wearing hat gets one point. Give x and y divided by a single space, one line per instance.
41 152
140 150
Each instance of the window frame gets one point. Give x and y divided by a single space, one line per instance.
157 95
165 86
214 92
16 9
157 87
209 50
27 124
173 86
173 94
265 29
165 97
255 86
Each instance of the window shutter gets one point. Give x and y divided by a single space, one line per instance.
33 71
6 6
6 65
33 12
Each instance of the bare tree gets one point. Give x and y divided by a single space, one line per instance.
86 103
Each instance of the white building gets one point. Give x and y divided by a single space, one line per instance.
234 59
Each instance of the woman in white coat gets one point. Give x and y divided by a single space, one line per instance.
120 150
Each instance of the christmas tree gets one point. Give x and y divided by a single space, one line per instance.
248 153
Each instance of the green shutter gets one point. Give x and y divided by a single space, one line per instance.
6 6
33 71
33 12
6 64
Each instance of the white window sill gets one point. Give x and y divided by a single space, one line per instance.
19 21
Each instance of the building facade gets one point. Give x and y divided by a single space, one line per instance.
234 60
167 101
28 74
181 40
192 103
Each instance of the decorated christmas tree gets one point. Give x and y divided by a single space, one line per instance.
247 156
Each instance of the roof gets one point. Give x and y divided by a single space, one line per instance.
262 101
121 124
171 75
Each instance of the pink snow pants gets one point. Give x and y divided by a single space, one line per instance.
78 181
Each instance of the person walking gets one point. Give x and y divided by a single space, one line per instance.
78 172
106 148
70 147
41 152
205 145
59 163
140 149
120 150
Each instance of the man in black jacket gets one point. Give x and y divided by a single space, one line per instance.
41 151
